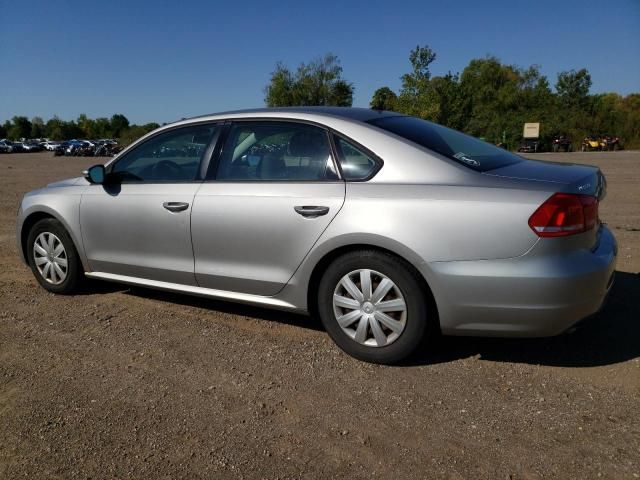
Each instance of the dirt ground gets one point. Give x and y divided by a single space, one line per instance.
131 383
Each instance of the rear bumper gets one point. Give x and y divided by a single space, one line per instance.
528 296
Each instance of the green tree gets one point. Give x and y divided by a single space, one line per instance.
573 87
421 59
4 129
319 82
54 129
279 92
447 103
630 121
383 99
535 103
574 106
87 126
492 92
341 94
414 98
607 113
71 130
20 128
37 128
102 128
119 123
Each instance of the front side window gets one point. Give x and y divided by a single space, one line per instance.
276 151
465 149
173 156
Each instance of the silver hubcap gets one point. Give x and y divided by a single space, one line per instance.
369 308
50 258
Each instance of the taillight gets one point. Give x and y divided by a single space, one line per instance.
565 214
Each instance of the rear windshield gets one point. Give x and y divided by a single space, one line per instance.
469 151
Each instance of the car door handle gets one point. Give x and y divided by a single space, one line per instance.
175 206
311 211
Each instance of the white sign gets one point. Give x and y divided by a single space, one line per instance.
531 130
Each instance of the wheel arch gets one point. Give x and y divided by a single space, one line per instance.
323 263
34 217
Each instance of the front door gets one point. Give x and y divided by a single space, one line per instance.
138 223
275 191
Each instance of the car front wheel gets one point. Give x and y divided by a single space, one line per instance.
373 307
53 257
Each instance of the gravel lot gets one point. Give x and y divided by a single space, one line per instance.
130 383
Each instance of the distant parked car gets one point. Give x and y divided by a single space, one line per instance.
31 147
75 146
18 147
108 149
6 146
50 145
561 144
61 149
529 145
591 143
610 143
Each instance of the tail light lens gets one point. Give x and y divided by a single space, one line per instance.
565 214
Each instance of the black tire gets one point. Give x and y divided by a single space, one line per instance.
408 283
74 271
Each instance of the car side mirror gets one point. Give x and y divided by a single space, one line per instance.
95 174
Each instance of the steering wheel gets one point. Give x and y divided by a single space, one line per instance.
166 169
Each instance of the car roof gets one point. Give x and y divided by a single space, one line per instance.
347 113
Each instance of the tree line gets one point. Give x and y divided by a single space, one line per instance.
489 99
118 126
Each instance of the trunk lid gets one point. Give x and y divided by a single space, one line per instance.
569 177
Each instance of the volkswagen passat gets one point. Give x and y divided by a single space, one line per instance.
384 225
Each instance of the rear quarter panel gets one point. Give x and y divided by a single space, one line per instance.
429 223
443 222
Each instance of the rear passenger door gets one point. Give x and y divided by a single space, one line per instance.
273 193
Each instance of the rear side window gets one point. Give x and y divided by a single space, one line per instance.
354 162
465 149
276 151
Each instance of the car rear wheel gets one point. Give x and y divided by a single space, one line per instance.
373 307
53 257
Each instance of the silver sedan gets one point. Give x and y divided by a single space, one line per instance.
387 227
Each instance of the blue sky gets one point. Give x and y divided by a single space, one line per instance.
162 60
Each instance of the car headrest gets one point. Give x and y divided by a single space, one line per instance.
308 144
272 167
